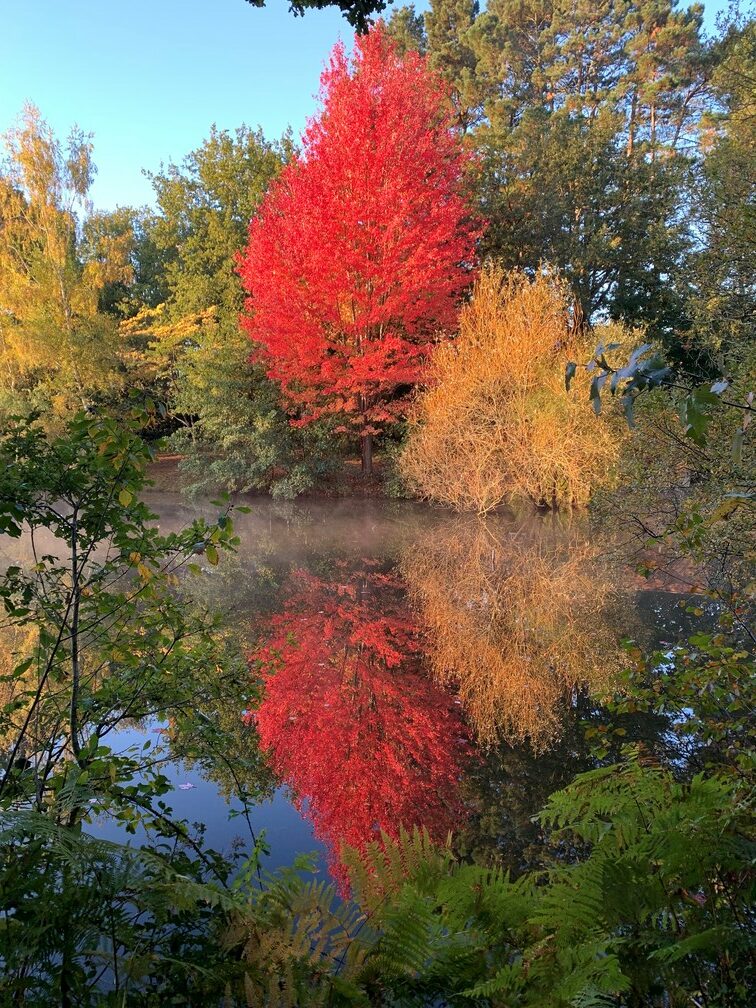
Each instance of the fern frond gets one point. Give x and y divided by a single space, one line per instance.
505 985
384 867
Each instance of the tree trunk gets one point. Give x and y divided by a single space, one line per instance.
577 321
631 124
367 455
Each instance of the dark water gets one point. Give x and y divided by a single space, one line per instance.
418 669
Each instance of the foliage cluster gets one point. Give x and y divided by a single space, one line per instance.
645 893
496 422
58 351
96 304
587 118
99 635
608 139
650 899
357 12
611 141
232 430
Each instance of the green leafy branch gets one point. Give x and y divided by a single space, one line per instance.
646 370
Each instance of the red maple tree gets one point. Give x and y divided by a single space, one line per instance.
365 740
363 246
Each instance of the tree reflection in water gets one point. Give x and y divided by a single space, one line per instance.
351 722
357 716
515 619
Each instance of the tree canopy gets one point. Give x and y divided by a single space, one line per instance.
358 13
58 350
585 117
361 249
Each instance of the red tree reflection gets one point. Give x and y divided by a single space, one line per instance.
362 736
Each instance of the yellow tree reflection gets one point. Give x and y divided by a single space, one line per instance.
515 619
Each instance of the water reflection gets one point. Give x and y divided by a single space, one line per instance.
352 723
364 664
515 618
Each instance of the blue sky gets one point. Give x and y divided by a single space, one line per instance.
148 77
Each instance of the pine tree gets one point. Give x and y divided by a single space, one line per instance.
406 29
448 24
584 118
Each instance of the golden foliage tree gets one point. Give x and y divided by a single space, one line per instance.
516 621
17 644
56 348
159 348
496 422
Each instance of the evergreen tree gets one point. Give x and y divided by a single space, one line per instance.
448 24
584 116
723 300
406 29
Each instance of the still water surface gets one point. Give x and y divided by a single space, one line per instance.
418 669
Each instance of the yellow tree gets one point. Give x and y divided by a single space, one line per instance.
496 422
158 349
57 350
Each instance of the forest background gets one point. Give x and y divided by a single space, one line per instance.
610 151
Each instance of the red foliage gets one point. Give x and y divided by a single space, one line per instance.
363 737
359 254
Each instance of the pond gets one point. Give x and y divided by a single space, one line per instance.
418 669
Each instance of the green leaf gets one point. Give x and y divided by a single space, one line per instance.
212 555
637 354
125 497
24 666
